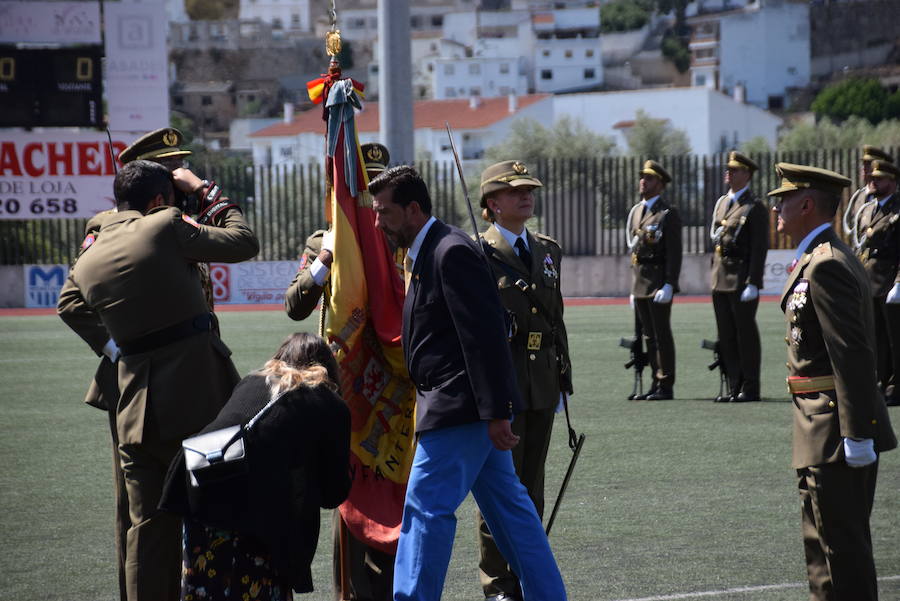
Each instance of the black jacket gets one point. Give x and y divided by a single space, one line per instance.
298 455
454 337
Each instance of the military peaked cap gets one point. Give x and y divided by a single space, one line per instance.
507 174
736 160
800 177
871 153
376 157
655 169
159 144
885 169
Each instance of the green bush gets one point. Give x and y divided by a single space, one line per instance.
622 15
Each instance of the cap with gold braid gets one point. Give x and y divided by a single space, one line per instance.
871 153
885 169
736 160
655 169
375 156
507 174
801 177
159 144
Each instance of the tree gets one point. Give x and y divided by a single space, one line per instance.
756 145
622 15
568 138
852 133
211 10
863 97
656 137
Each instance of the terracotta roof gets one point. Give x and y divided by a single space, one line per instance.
427 114
543 18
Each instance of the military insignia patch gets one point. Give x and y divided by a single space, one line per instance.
188 219
520 168
88 240
170 138
303 262
799 296
549 267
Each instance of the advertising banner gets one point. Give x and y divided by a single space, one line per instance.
252 282
137 84
42 285
776 273
50 22
57 174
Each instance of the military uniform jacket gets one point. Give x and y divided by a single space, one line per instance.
140 277
303 294
879 234
656 254
830 331
741 243
539 346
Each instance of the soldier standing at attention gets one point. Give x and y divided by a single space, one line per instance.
740 232
878 232
840 420
526 266
654 231
137 285
864 194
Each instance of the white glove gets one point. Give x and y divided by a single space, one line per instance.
328 240
750 293
893 296
859 453
631 301
111 350
663 295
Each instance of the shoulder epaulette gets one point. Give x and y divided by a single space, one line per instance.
547 238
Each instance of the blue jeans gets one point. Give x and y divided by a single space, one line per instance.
450 462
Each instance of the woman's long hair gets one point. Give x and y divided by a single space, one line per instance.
301 360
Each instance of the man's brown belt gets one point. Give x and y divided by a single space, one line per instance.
802 385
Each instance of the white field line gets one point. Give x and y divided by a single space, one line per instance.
739 589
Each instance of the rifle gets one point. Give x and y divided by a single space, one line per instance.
713 346
638 360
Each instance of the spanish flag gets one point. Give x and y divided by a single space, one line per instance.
364 326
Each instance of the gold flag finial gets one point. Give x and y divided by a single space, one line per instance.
333 42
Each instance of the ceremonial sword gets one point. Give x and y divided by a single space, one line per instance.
575 441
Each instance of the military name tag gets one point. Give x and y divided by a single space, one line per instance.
534 341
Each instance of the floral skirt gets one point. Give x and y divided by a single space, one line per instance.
221 565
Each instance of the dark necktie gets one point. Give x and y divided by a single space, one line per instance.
523 253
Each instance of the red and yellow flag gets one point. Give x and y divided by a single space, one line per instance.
364 327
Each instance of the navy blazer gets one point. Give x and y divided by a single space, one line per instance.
454 337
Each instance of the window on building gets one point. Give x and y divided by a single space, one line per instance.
206 100
776 102
568 54
504 67
546 53
276 23
589 52
295 21
589 74
356 23
251 97
430 67
700 80
415 22
476 91
546 74
208 122
792 70
286 152
448 69
450 92
178 100
474 68
705 53
437 21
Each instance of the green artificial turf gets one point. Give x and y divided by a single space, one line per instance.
668 498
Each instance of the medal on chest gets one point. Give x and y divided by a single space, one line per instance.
799 296
550 267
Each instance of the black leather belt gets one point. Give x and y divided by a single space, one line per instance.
173 333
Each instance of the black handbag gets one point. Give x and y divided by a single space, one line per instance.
220 454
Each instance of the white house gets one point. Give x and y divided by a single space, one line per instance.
479 76
763 47
567 53
283 15
477 123
713 121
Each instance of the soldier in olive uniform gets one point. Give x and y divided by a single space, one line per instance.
740 233
865 193
371 571
527 268
840 420
654 232
137 285
878 233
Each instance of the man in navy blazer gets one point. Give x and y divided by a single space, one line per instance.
454 342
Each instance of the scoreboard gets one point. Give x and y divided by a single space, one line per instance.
51 87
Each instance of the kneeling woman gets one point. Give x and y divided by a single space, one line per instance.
257 533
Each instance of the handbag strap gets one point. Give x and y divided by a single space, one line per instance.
260 413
